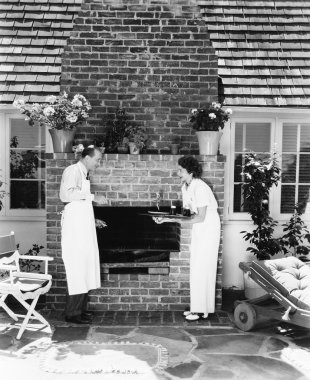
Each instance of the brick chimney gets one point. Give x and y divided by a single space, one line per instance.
154 58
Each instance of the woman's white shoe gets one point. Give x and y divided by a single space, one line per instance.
186 313
192 317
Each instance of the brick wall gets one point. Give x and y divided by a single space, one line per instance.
132 180
154 58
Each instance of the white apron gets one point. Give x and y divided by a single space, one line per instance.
79 244
205 240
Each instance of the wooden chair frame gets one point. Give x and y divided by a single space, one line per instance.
22 285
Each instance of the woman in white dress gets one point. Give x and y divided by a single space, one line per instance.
205 237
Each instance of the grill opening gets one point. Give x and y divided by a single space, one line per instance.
131 236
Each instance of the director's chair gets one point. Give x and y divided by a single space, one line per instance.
21 285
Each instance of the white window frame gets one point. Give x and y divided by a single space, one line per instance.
6 114
276 117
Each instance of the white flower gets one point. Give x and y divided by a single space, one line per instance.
228 111
51 99
60 111
48 111
212 115
79 97
19 103
194 110
78 148
72 118
36 108
76 102
217 106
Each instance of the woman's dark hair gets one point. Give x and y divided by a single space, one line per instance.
191 165
89 151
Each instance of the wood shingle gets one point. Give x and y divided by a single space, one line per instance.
33 34
263 49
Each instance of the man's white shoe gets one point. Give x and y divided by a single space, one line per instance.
192 317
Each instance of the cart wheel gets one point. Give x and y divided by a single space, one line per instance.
245 316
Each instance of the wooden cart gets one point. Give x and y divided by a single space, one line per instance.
275 305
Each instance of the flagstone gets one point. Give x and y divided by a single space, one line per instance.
66 333
246 367
232 344
165 332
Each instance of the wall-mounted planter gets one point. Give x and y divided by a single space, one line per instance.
62 140
208 142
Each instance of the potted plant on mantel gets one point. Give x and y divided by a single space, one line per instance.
60 114
208 123
136 138
260 174
116 140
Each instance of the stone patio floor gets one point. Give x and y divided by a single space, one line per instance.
211 349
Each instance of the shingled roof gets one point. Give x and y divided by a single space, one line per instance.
33 33
263 49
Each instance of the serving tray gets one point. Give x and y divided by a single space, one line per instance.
164 215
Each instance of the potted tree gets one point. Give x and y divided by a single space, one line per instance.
2 194
60 114
116 139
296 238
136 138
260 174
208 123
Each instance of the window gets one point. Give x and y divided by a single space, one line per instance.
248 136
24 168
291 139
295 182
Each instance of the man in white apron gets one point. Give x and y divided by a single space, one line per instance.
79 240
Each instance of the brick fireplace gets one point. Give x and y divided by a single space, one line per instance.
155 59
132 181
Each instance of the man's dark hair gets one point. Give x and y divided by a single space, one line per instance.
89 151
191 165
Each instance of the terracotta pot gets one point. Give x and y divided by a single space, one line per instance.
133 148
62 140
251 288
122 149
174 148
208 142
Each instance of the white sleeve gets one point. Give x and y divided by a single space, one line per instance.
70 187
